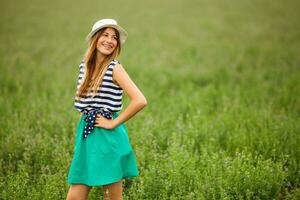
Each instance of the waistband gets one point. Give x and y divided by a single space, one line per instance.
90 117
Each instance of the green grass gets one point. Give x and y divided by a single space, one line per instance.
220 77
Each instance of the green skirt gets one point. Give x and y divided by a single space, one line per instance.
104 157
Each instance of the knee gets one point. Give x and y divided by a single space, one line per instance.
71 196
78 192
74 196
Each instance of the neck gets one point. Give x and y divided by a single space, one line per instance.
99 58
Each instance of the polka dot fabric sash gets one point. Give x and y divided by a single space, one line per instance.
90 120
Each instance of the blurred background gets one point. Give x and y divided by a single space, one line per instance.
221 79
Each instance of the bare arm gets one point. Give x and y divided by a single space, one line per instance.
137 99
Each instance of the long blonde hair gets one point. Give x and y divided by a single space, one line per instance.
93 74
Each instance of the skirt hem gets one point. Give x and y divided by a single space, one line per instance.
101 184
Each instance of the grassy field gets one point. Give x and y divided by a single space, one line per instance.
220 77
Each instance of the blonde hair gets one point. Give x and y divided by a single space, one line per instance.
94 74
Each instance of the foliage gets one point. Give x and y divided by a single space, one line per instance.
221 80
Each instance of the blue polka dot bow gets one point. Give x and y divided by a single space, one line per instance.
90 120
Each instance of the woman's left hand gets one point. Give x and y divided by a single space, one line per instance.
103 122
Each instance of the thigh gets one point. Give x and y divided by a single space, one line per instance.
78 191
113 191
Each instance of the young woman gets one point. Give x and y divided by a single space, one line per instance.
103 155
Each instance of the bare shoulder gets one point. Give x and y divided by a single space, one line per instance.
127 84
119 67
119 71
120 76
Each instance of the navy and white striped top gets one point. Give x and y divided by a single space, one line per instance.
108 96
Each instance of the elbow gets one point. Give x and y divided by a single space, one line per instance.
142 102
145 102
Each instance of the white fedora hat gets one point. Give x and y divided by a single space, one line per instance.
108 23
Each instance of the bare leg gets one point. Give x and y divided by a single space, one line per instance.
78 192
113 191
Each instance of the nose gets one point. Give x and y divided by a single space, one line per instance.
109 39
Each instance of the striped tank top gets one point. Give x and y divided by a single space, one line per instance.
108 96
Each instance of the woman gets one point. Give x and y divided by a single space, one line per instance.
103 155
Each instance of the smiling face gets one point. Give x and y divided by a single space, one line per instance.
107 41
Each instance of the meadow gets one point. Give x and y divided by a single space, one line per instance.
221 79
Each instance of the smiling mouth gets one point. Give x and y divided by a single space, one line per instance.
107 46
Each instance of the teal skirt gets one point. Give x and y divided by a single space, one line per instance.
104 157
